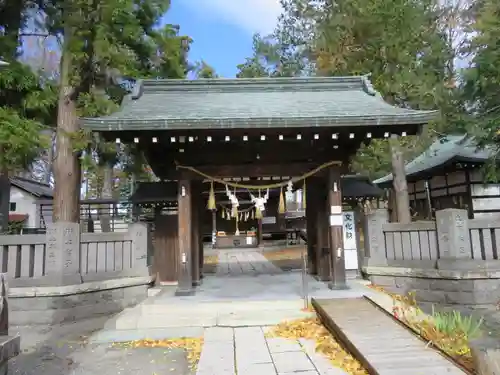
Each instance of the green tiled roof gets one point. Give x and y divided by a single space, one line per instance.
255 103
452 148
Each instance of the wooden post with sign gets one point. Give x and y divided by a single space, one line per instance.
311 199
338 280
196 223
185 285
322 241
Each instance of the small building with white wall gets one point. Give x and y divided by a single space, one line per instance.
24 194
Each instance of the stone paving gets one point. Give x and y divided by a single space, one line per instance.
246 351
231 310
244 262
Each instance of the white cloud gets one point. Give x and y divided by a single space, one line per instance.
254 16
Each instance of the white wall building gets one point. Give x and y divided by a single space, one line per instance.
24 193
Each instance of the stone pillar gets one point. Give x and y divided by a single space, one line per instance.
311 204
139 233
62 265
337 261
453 234
375 251
185 285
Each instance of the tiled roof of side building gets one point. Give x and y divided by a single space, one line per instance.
38 189
255 103
452 148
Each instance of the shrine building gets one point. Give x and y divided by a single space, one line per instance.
236 145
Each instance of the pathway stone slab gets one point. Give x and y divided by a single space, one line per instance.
292 362
237 262
322 364
218 334
257 369
281 345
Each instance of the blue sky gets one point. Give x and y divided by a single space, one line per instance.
222 29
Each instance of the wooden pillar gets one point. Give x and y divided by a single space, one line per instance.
166 250
260 233
311 200
338 273
214 227
322 241
185 286
196 202
202 256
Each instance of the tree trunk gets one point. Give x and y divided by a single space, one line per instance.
4 200
107 193
67 166
399 182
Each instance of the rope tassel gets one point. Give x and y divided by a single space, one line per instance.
258 213
211 198
281 208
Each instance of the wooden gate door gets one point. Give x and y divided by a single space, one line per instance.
166 256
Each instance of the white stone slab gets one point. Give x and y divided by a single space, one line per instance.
257 369
281 345
218 334
292 362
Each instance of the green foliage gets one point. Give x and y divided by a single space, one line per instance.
482 78
453 323
404 44
203 70
15 227
26 105
21 140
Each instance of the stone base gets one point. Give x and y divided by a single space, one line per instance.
52 305
430 287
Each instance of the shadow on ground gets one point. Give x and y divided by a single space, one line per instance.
63 350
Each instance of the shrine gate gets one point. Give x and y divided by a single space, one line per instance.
207 135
